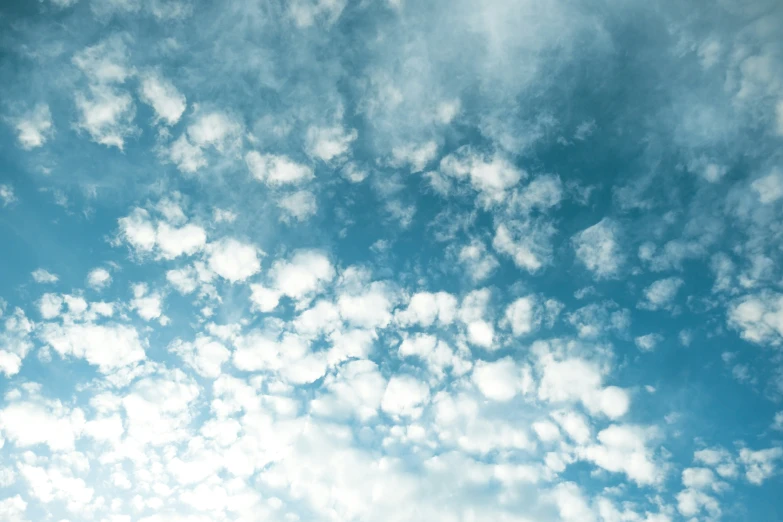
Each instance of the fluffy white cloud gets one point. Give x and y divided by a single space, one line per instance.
769 188
356 390
327 143
526 243
27 423
99 278
758 317
624 449
149 305
205 355
405 396
214 130
479 263
491 176
277 170
501 380
44 276
298 206
233 260
522 315
34 127
12 509
164 98
759 465
597 248
7 195
568 379
304 274
648 342
417 156
660 294
425 308
90 342
434 352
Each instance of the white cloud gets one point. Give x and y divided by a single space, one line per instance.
288 355
149 306
597 248
12 509
35 127
369 306
758 317
434 352
298 206
570 379
277 170
7 194
527 243
205 355
306 12
304 274
233 260
769 188
623 449
759 465
215 130
164 98
50 305
522 315
491 176
481 333
416 156
357 389
99 278
174 242
14 342
327 143
106 114
405 396
648 342
660 294
44 276
34 421
89 342
501 380
479 263
425 308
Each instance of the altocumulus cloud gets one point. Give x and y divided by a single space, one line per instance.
347 261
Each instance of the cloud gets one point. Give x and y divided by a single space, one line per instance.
35 127
44 276
277 170
501 380
597 248
210 130
405 396
647 343
769 188
624 449
660 294
164 98
89 341
99 278
106 111
298 206
328 143
233 260
491 176
759 318
760 464
7 195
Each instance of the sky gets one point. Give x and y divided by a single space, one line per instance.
391 261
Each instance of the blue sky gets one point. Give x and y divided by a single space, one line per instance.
333 260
